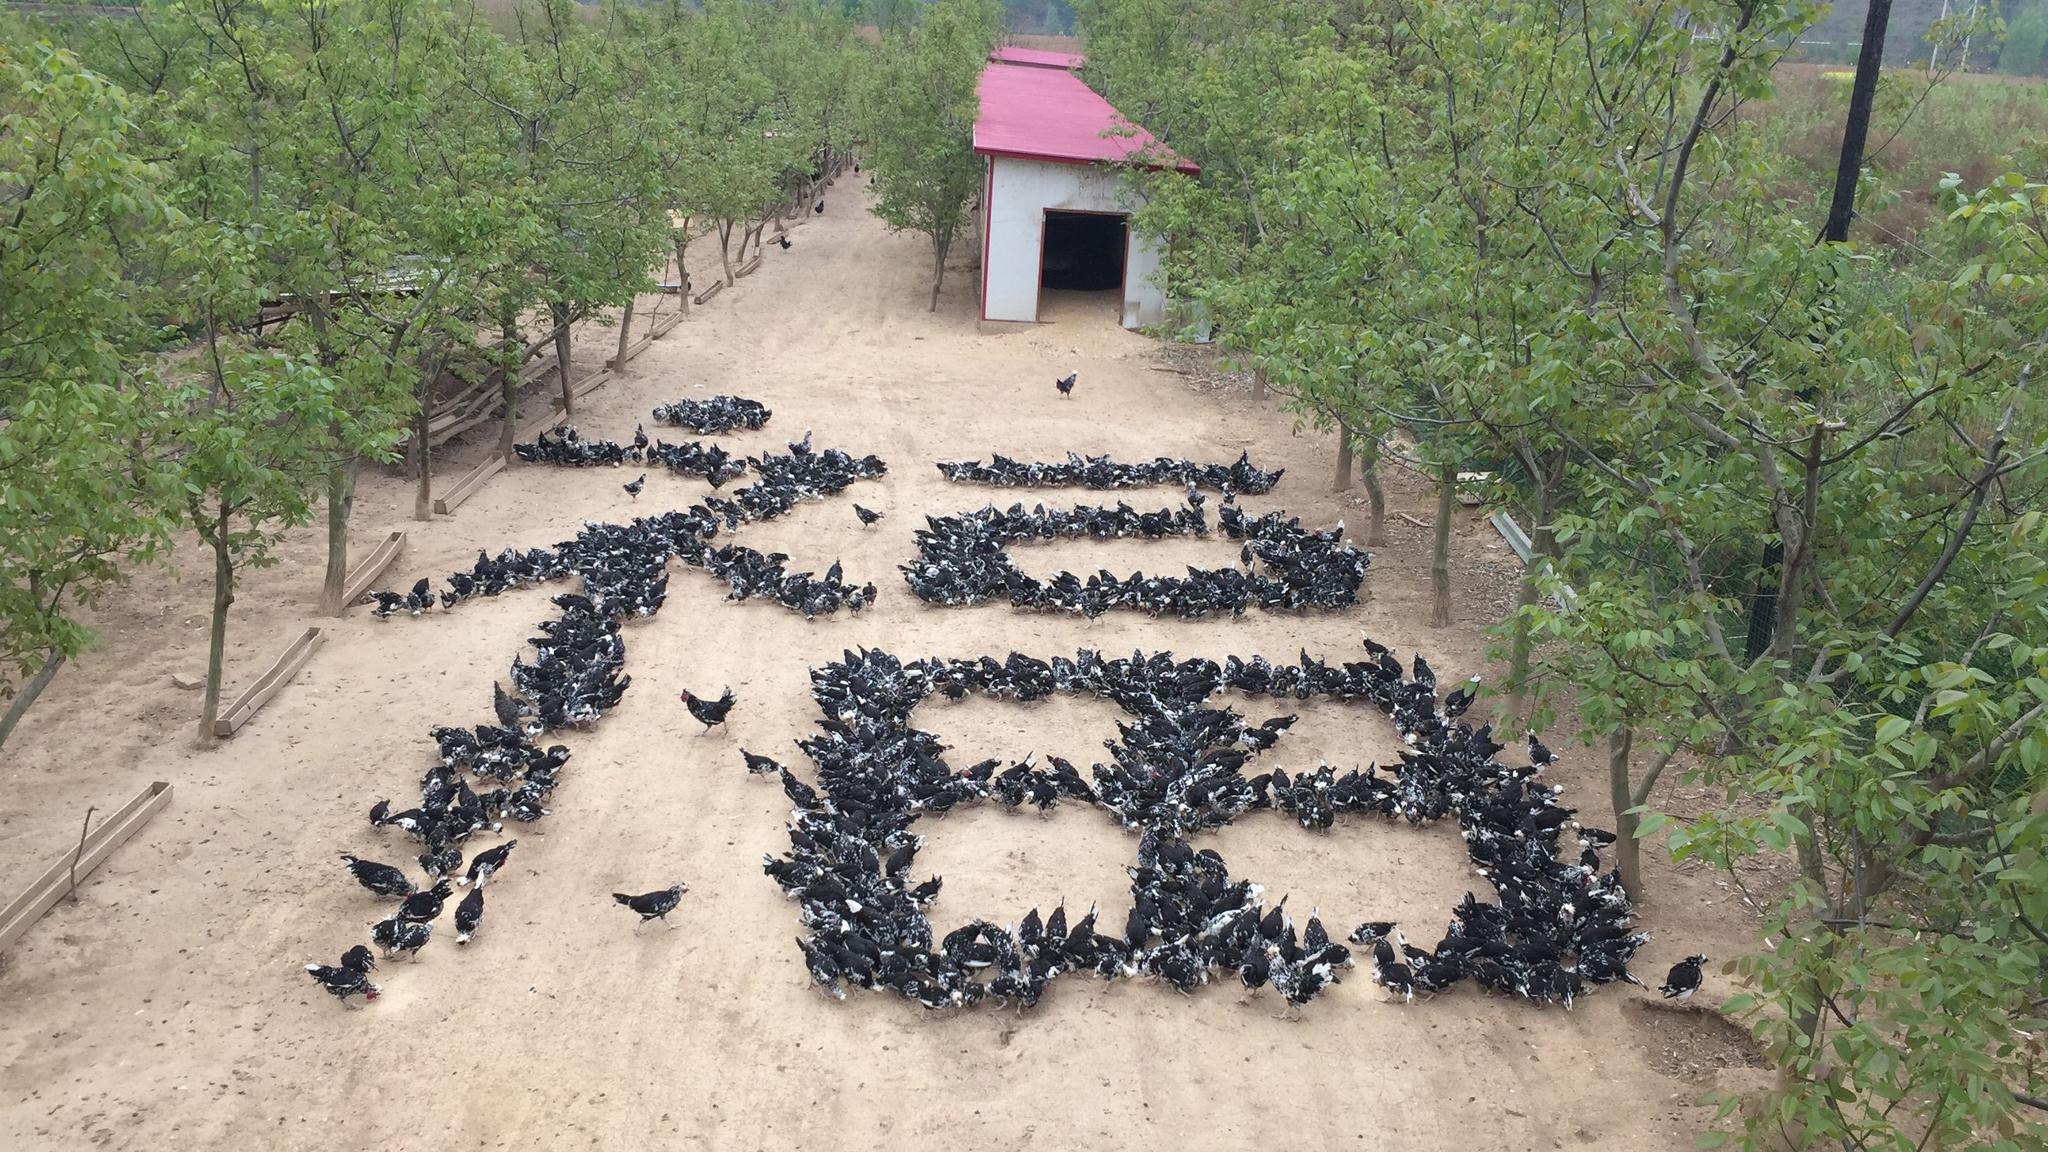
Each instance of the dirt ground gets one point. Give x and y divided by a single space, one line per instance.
167 1009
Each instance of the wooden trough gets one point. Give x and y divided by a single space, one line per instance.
55 882
587 385
267 685
466 487
717 286
747 268
655 331
663 327
372 567
547 423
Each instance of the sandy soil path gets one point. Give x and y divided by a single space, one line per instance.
166 1008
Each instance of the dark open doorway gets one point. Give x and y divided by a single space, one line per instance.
1084 251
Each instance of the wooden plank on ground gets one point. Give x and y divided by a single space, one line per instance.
372 567
587 385
664 326
531 432
267 685
55 883
717 286
749 266
632 350
466 487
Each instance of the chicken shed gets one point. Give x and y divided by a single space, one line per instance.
1055 214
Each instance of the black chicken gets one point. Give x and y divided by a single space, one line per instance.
634 488
441 857
510 710
350 978
709 713
1683 979
469 914
867 516
426 905
1066 385
386 603
1371 931
382 879
818 209
484 864
759 765
400 935
1539 753
782 242
1457 702
420 598
654 905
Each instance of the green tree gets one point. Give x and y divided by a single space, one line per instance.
2026 40
921 109
83 489
554 105
1538 236
249 473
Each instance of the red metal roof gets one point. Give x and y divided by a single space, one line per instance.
1037 57
1040 113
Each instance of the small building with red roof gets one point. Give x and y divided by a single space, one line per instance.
1055 210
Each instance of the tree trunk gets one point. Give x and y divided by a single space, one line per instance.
682 269
1343 481
1542 547
938 272
1376 526
1258 384
1764 607
1440 552
341 498
625 336
1628 851
1856 129
559 313
511 358
217 638
26 694
421 454
725 249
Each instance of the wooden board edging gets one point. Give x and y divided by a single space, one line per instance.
358 583
666 326
586 386
466 487
22 913
531 432
267 685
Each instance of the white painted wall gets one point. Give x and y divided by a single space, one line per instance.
1020 191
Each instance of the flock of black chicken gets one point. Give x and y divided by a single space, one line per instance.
1553 929
964 559
714 416
565 446
493 773
629 561
1103 473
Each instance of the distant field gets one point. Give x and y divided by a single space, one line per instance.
1993 79
1046 43
1976 125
